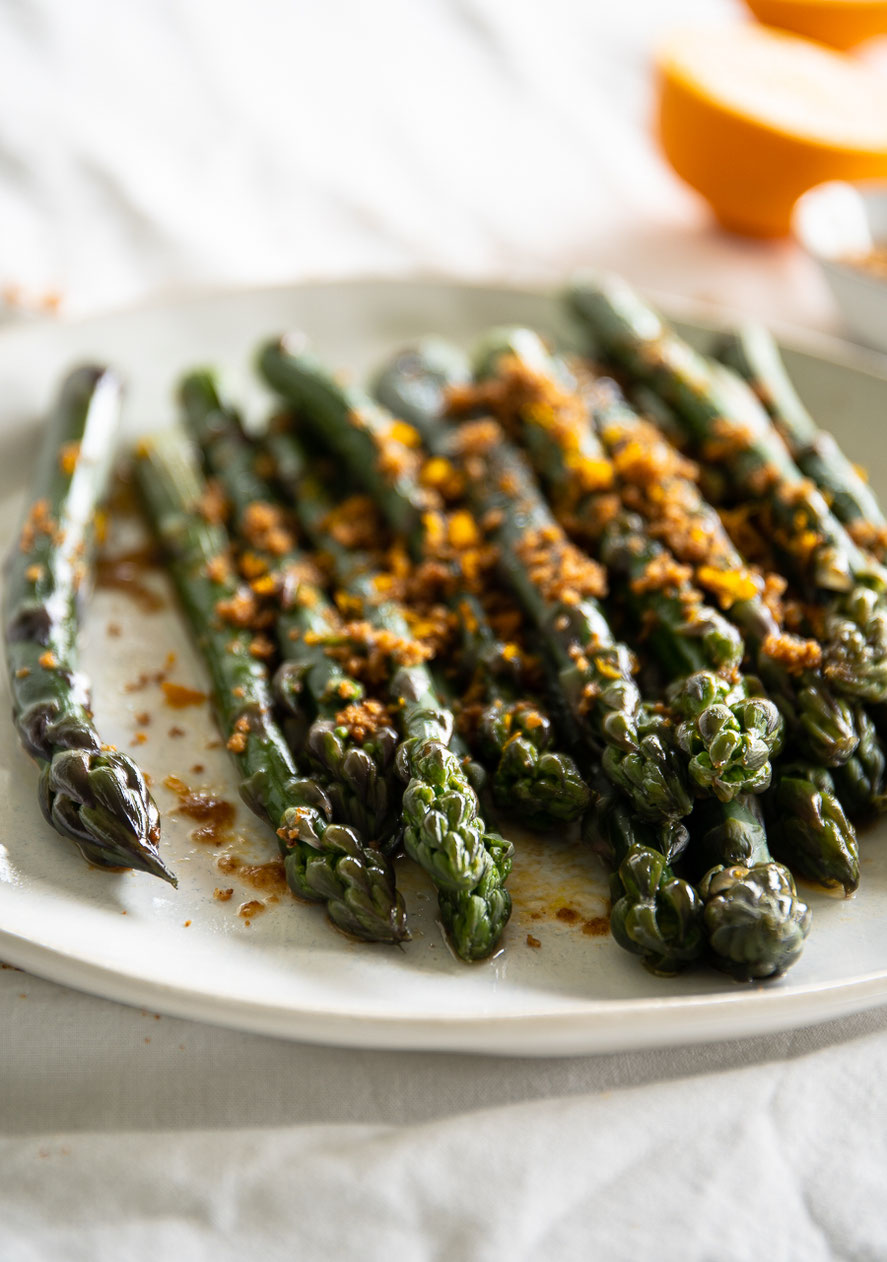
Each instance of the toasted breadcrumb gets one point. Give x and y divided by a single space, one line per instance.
663 574
213 506
363 719
39 521
236 742
265 529
69 454
239 610
792 652
354 523
869 536
261 647
219 569
558 568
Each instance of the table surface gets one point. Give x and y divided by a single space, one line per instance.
149 148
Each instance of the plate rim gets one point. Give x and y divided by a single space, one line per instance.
707 312
587 1029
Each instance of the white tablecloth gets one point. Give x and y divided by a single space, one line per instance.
148 146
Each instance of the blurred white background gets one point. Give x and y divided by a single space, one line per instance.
157 144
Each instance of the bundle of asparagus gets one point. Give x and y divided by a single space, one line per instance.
511 584
324 860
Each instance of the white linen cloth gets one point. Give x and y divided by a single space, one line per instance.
127 1136
154 145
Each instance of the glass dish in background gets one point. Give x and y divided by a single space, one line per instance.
843 227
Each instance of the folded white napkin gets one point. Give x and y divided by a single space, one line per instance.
129 1137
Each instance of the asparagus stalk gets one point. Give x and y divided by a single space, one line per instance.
861 782
361 428
415 384
728 730
357 765
752 352
379 450
654 914
755 922
724 422
745 910
475 919
324 862
88 791
442 828
808 829
531 779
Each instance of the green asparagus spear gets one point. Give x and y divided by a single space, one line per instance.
654 914
752 352
807 827
442 828
727 728
474 919
755 923
530 777
89 792
861 781
360 426
324 862
415 385
723 421
357 765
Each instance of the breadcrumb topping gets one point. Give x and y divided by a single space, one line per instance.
792 652
69 454
368 653
39 521
239 610
354 523
266 530
663 574
867 535
558 568
363 719
212 505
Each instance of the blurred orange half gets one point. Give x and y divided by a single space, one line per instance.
751 118
841 23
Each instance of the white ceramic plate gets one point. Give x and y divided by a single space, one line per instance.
282 970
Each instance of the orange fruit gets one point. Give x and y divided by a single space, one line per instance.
751 118
841 23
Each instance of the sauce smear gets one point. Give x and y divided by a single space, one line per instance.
214 815
124 572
